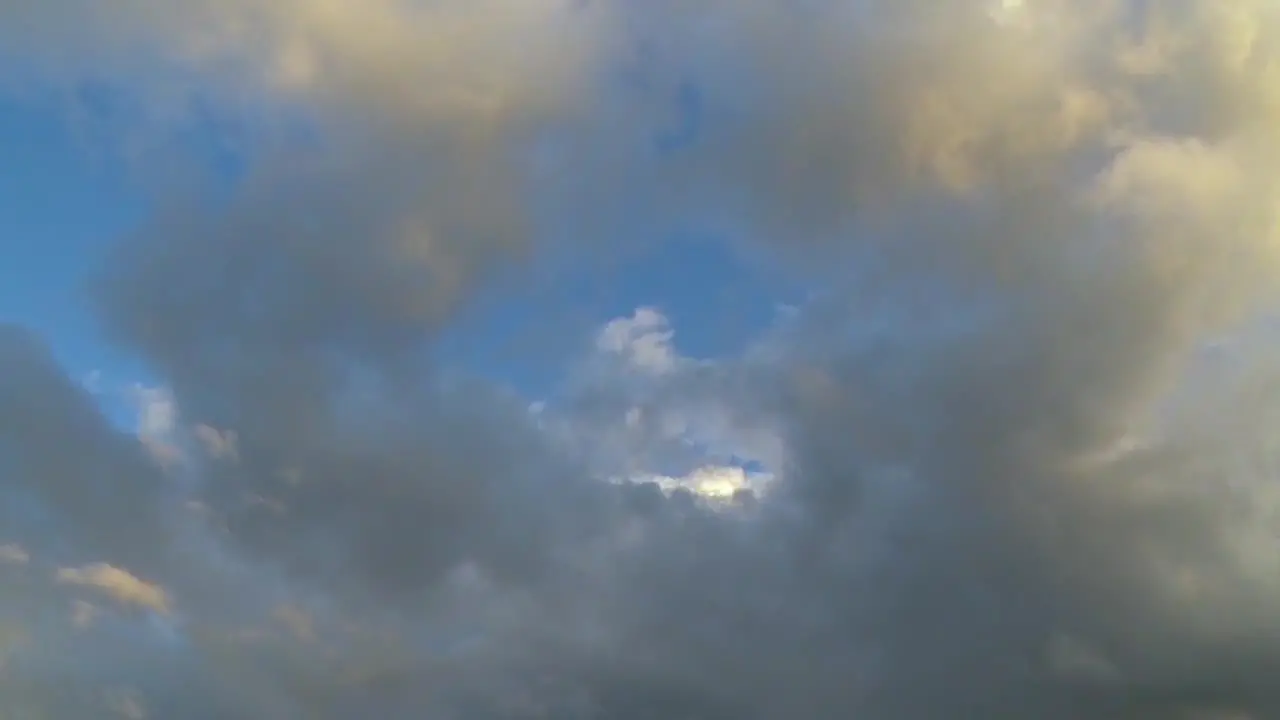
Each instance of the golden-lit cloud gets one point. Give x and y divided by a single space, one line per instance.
119 585
1002 478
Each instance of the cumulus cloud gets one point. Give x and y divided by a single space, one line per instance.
636 408
642 341
1004 482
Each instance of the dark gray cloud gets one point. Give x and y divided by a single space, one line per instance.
1006 485
67 469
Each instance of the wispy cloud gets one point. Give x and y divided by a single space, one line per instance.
119 585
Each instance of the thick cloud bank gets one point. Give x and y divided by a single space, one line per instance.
1013 455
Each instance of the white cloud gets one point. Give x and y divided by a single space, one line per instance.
11 554
713 483
643 341
157 424
658 416
157 411
217 444
118 584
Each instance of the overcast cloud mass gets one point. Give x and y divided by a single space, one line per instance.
1014 458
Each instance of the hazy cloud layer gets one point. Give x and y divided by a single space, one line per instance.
1019 439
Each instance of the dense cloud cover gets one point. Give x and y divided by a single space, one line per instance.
1016 444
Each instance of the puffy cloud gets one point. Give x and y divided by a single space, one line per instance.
635 407
642 341
1003 483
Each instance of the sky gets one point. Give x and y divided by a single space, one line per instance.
60 212
616 360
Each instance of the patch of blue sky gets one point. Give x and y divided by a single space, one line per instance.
59 211
71 186
717 301
718 298
77 167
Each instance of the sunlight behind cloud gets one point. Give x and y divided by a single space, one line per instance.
982 468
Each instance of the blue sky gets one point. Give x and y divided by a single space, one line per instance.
842 334
65 198
59 209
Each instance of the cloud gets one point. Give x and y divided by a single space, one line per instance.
636 408
83 614
157 423
717 483
13 555
1004 482
118 584
642 341
67 467
157 412
126 705
219 445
